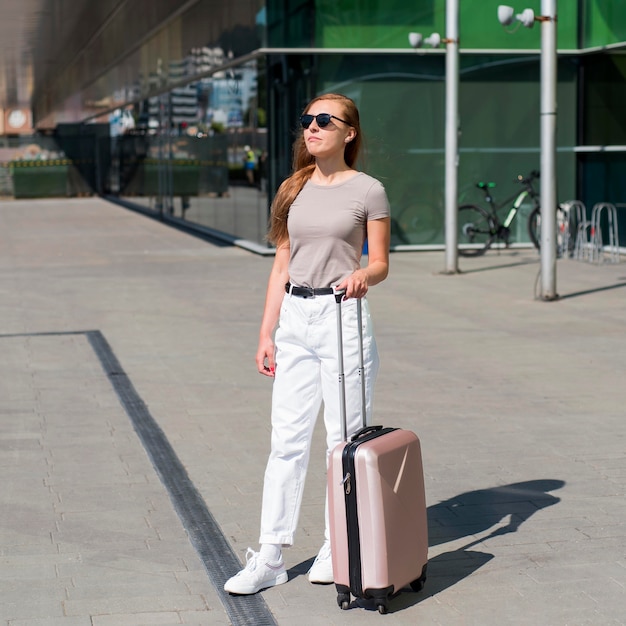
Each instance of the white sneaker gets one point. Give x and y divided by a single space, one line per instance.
321 571
259 573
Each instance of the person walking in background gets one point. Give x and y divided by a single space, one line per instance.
249 164
262 170
320 219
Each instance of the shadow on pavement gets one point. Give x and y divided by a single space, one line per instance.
474 512
498 267
590 291
467 515
301 569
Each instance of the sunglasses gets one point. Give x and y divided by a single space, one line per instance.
322 119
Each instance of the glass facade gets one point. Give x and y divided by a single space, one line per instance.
199 153
401 99
379 24
602 23
91 57
203 107
602 156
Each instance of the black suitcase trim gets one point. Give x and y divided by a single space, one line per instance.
352 518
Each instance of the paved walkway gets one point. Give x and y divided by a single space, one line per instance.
134 431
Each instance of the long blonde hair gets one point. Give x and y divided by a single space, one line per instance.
303 165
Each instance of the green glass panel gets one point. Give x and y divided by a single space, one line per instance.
479 26
402 99
604 104
499 109
386 24
402 114
603 181
291 23
604 22
372 23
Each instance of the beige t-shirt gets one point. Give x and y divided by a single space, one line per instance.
327 227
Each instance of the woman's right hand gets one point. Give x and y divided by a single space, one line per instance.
271 313
265 357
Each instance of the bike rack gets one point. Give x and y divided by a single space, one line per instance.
583 244
583 228
575 214
589 240
598 249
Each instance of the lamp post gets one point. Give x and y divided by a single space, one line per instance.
452 127
548 135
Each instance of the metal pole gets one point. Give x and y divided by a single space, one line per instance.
548 150
452 133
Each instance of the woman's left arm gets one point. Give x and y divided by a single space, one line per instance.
378 239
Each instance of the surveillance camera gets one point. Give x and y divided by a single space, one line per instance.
434 40
527 18
505 15
415 39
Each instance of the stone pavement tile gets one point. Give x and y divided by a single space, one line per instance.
33 598
21 420
516 557
47 561
128 605
576 572
112 528
500 608
165 523
604 529
195 579
27 570
602 590
589 551
168 551
604 544
28 548
166 618
119 546
51 621
89 523
27 509
204 618
612 506
136 562
106 500
131 584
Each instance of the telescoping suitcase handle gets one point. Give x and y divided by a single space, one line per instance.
339 295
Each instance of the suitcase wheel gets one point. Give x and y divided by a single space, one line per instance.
381 605
343 600
418 585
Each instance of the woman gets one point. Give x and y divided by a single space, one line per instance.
321 216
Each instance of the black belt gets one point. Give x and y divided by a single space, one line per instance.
308 292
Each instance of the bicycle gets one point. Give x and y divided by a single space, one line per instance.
479 227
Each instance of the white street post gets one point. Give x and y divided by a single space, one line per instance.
548 150
452 136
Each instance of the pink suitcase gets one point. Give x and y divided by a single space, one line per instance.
377 505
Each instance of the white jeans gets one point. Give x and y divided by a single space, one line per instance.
306 375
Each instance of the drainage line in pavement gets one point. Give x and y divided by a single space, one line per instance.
205 534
